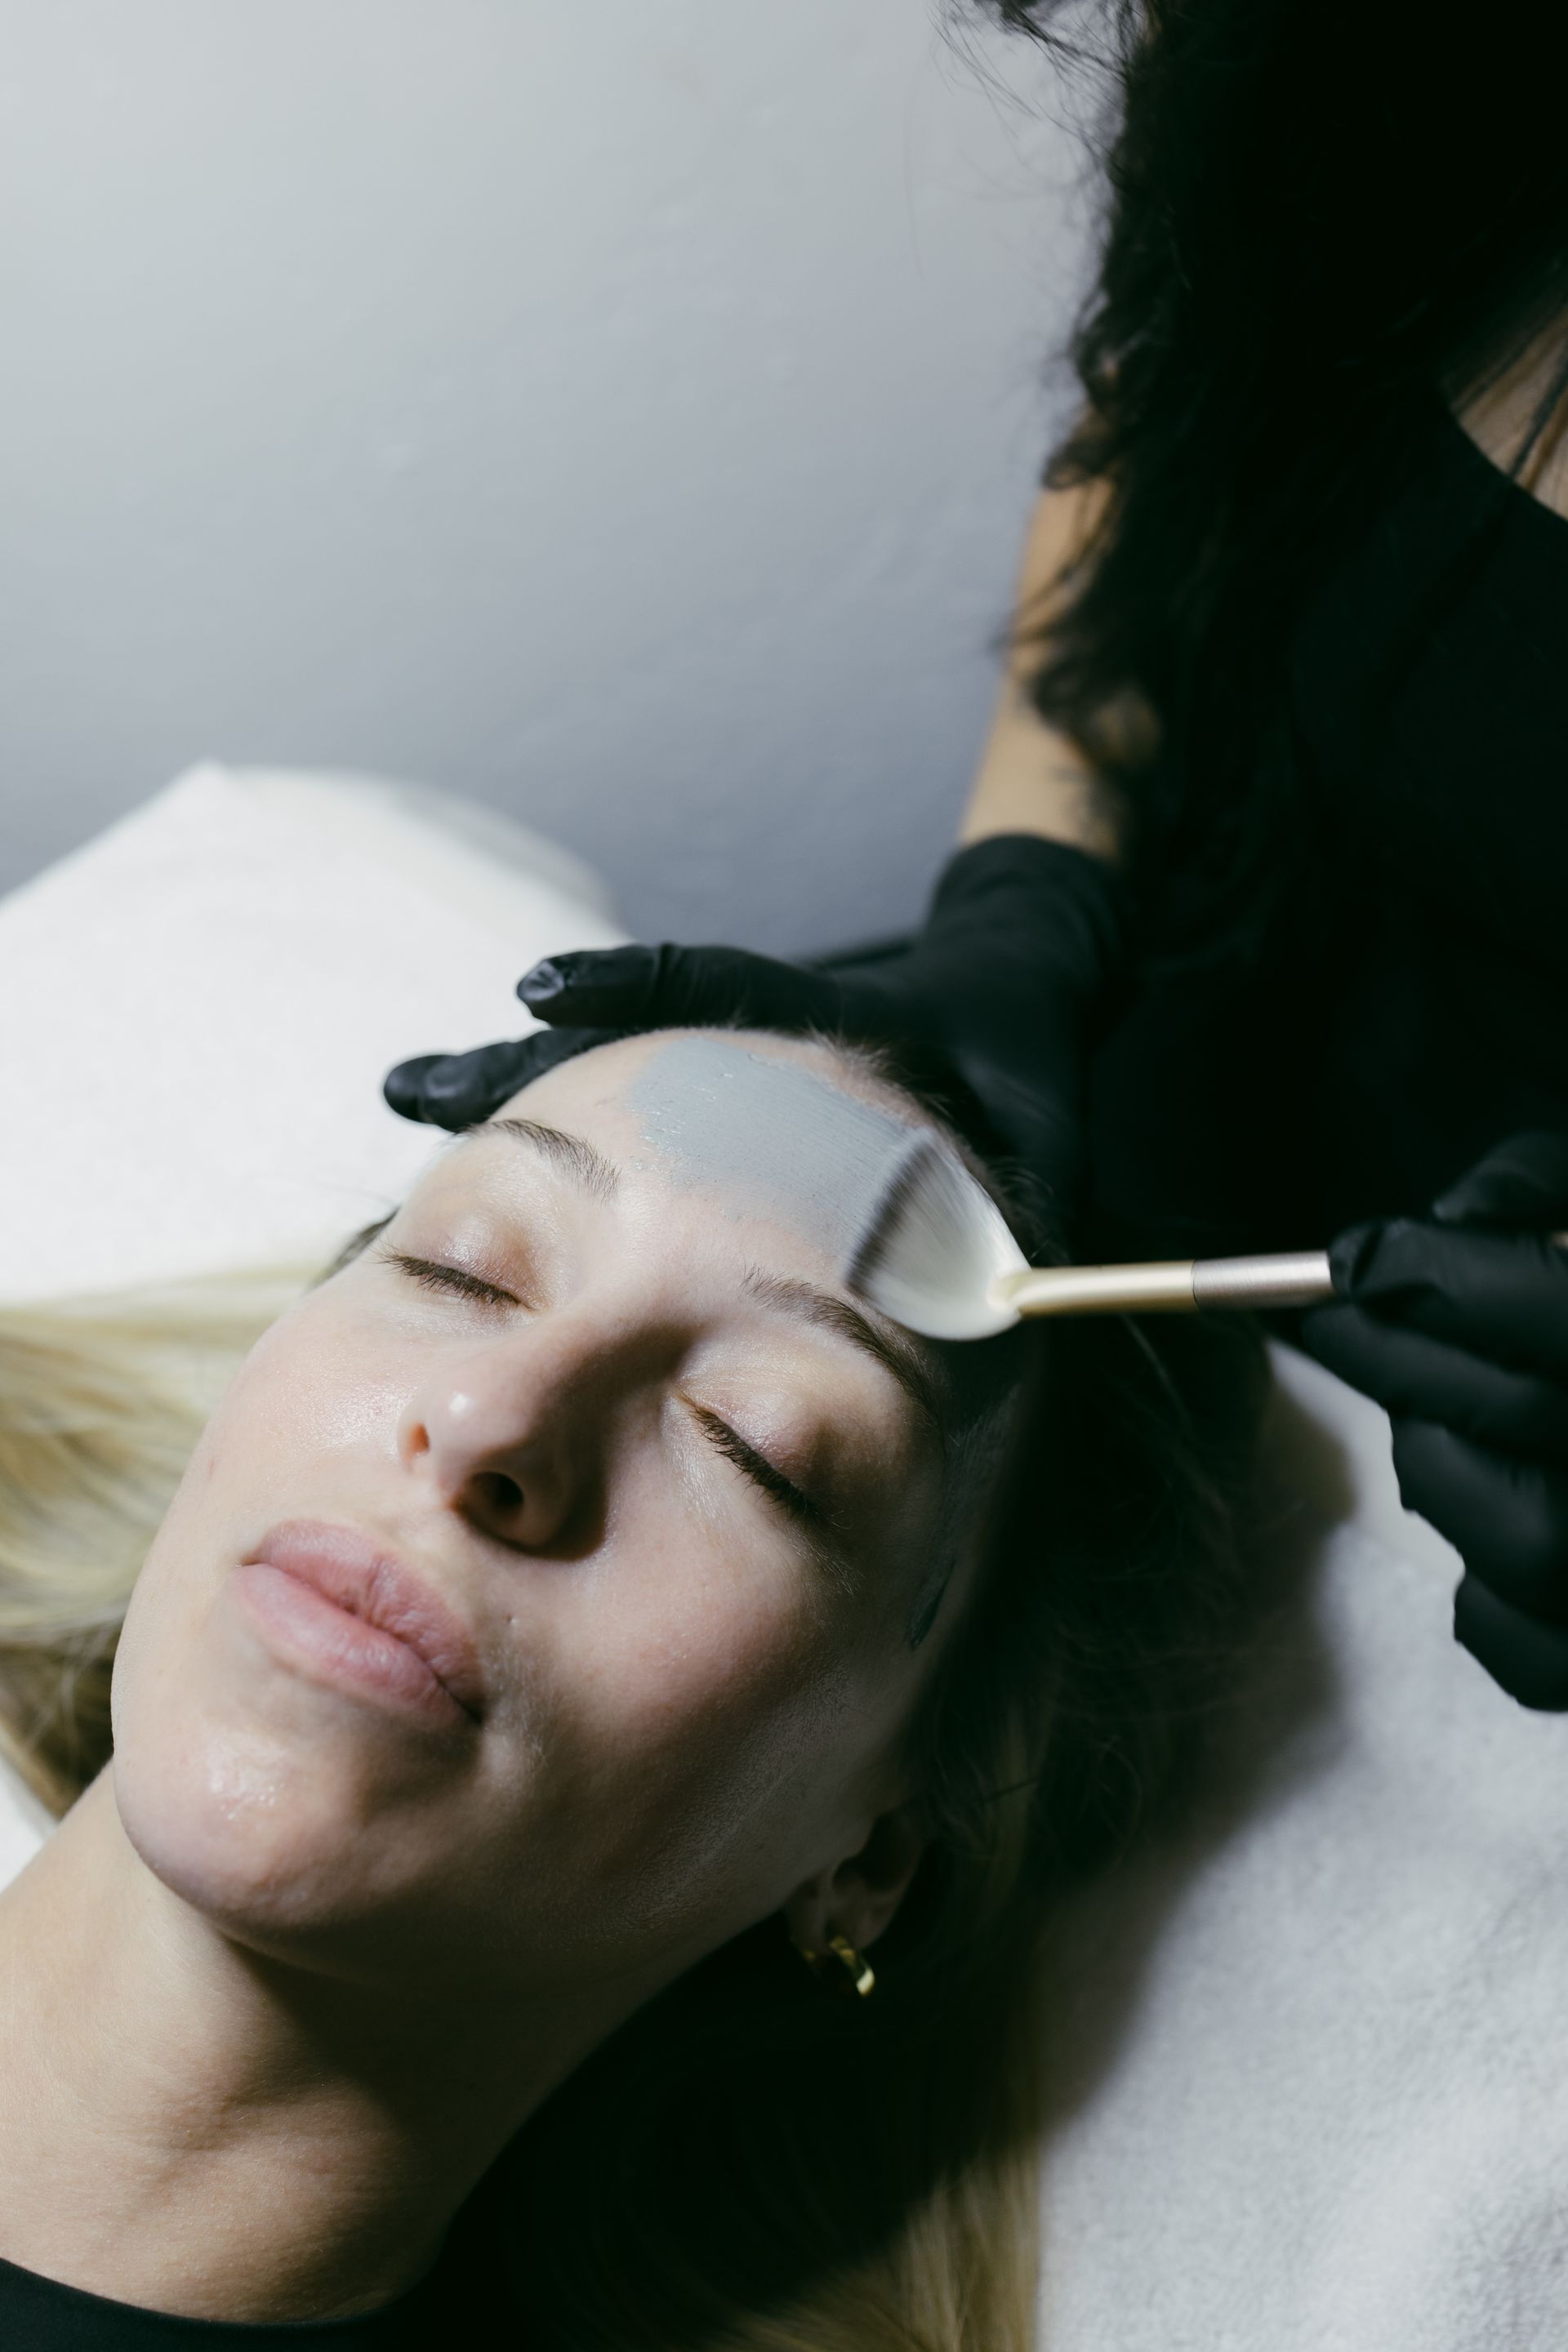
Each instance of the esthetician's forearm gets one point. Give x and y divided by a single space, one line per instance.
1032 777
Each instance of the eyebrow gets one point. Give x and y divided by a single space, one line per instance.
572 1154
907 1362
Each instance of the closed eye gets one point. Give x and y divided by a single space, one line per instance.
454 1280
759 1469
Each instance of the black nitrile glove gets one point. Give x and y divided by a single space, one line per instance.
1021 938
1459 1327
458 1090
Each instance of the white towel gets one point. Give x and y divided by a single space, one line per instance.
196 1009
1318 2101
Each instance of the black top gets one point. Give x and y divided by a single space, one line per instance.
447 2308
1405 1010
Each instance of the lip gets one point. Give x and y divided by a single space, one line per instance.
351 1611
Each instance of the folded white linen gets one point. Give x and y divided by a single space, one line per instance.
196 1009
1318 2099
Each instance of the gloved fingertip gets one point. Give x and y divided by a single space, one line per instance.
458 1090
541 984
589 983
403 1089
1350 1254
449 1089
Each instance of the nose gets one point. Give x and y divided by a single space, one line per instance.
515 1435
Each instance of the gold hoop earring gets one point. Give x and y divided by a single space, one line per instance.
859 1973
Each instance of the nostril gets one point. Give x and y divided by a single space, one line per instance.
499 1494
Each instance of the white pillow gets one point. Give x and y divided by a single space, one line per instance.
197 1009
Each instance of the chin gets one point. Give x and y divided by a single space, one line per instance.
239 1823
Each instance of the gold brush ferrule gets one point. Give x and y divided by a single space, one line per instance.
1098 1289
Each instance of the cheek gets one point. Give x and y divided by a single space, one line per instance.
302 1396
306 1394
711 1721
319 1383
194 1755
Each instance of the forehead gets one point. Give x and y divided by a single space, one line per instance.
608 1074
779 1128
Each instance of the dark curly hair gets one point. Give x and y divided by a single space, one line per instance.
1320 218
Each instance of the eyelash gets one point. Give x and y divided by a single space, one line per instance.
432 1275
758 1469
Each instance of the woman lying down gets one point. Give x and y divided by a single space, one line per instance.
596 1734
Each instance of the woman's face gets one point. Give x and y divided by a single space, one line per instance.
604 1404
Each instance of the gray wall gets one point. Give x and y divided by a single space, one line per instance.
625 413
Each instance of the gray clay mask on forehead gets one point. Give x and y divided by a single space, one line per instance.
785 1142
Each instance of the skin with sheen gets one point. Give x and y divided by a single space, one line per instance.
320 1924
775 1141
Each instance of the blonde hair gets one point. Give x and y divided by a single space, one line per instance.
753 2164
102 1401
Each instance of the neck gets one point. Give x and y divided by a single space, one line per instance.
193 2127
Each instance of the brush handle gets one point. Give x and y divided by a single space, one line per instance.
1177 1286
1174 1286
1287 1279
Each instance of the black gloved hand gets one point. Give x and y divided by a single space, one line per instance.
1020 940
458 1090
1459 1327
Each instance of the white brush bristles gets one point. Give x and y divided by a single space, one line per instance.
933 1246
